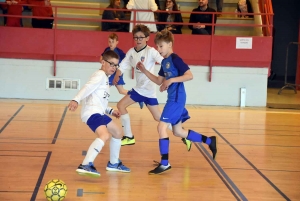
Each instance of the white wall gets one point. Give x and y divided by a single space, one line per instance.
26 79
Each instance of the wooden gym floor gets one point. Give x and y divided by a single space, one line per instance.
258 154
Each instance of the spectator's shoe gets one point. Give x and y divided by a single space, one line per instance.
88 170
141 104
213 146
187 142
127 141
160 169
117 167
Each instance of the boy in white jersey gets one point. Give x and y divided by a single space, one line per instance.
113 41
145 89
171 76
94 96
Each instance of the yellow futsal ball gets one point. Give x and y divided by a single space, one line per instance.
55 190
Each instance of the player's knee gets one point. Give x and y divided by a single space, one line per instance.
103 136
118 134
119 105
176 132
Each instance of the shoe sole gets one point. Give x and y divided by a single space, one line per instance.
189 148
168 169
116 170
89 174
127 144
216 147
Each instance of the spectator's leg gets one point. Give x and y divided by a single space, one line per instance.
35 23
4 11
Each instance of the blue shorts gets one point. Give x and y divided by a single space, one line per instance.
139 98
174 112
120 82
97 120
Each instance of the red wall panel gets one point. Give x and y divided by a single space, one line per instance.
74 45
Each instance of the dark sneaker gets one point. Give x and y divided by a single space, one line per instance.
127 141
187 142
141 104
160 169
117 167
213 146
88 170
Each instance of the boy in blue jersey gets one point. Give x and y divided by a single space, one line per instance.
171 76
145 89
113 41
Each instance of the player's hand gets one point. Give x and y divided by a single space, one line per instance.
165 85
73 105
141 66
116 80
116 114
198 26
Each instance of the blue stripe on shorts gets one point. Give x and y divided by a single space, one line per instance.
139 98
174 112
97 120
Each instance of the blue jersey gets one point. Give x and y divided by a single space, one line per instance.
173 66
118 51
122 56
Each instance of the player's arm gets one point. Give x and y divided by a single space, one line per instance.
185 74
86 90
183 78
112 112
125 63
156 79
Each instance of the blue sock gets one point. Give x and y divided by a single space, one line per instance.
164 150
197 137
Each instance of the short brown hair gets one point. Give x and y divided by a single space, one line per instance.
113 36
141 28
110 55
165 36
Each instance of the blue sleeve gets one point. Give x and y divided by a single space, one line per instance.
121 54
104 51
180 65
161 72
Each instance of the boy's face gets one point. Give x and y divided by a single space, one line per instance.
164 48
112 43
140 40
109 66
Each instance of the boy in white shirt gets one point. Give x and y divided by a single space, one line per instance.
94 96
145 89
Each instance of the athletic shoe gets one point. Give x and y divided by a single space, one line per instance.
117 167
127 141
160 169
88 170
141 104
213 146
188 143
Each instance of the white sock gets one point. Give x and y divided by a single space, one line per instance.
115 146
170 127
93 151
126 125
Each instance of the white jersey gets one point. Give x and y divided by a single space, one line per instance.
149 56
94 95
143 16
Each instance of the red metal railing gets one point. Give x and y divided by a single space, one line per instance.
266 15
